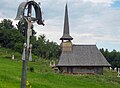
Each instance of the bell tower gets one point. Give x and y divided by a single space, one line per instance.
66 44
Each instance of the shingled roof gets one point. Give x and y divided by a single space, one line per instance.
83 55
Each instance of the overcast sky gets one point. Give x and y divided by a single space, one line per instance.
91 21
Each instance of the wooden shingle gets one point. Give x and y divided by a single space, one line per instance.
83 55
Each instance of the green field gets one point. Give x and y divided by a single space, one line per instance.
44 77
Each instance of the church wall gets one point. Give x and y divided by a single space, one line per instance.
81 70
98 70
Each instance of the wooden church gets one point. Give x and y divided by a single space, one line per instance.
79 59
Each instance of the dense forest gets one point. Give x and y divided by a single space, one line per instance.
13 38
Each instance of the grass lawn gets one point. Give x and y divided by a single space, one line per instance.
44 77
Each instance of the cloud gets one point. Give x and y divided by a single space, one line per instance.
8 8
52 29
97 20
91 21
100 1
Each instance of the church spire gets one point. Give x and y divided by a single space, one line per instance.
66 34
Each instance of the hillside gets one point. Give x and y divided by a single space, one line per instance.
44 77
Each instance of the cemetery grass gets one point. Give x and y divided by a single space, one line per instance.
44 77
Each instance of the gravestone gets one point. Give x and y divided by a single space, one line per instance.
13 57
110 68
118 72
115 69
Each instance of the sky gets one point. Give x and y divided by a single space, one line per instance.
91 21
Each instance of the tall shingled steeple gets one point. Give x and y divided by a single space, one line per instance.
66 34
67 44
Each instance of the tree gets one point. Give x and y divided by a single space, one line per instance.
6 24
46 49
13 38
112 57
9 35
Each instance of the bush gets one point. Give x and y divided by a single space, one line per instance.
31 69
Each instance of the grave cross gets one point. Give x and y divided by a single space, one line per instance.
27 6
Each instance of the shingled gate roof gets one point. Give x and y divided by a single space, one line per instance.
83 55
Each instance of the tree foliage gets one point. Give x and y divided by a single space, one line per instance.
6 24
14 38
112 57
9 36
46 49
